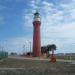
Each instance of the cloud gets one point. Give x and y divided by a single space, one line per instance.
34 4
16 44
58 25
47 4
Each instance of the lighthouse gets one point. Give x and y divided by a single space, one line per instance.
36 35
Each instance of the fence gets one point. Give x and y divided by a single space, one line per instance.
3 55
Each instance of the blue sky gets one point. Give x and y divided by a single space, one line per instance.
58 24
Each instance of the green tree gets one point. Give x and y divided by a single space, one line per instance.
43 49
51 47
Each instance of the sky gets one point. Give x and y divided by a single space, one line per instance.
57 24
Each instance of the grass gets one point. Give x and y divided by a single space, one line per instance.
36 67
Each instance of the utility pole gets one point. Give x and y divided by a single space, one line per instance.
24 49
30 46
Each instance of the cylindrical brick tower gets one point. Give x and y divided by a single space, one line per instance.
36 35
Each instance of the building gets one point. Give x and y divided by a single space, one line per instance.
36 35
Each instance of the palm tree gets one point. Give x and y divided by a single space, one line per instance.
46 49
43 49
51 48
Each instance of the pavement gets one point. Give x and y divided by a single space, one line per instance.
5 68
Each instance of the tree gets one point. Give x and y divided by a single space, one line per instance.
43 49
51 48
48 48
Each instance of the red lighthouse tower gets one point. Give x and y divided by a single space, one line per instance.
36 35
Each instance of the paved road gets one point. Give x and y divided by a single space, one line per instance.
12 68
35 58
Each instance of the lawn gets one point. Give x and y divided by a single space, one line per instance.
36 67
